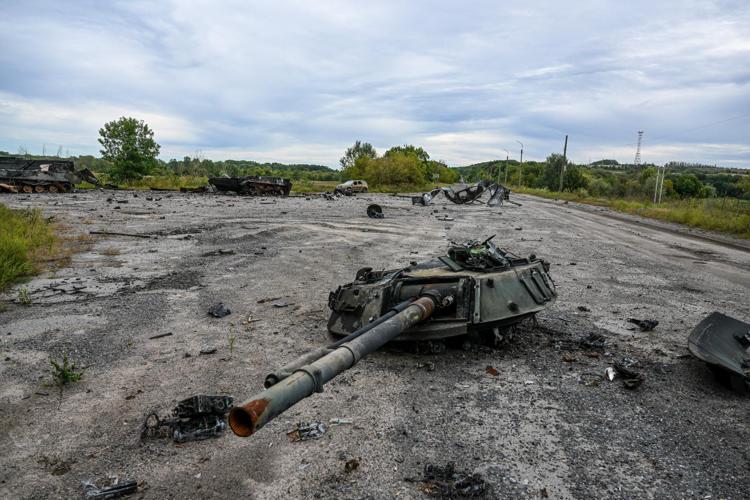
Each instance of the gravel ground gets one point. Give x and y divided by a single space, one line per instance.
542 427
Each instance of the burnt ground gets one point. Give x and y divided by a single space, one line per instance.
542 426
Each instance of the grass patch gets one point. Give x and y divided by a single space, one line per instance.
724 215
29 243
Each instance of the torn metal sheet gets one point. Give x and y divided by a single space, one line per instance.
116 490
724 343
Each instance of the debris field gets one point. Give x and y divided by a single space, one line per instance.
186 294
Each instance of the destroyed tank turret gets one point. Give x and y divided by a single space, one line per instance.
476 290
253 185
39 176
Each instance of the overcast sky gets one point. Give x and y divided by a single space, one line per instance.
299 81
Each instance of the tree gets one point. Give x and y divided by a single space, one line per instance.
129 144
408 149
552 171
359 150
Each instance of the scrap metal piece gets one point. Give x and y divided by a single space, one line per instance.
193 419
120 488
375 211
307 430
219 310
724 343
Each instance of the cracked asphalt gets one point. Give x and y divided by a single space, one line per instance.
542 427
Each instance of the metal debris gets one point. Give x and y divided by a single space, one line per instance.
193 419
630 379
118 489
219 310
593 341
492 371
305 431
724 343
375 211
646 325
469 194
341 421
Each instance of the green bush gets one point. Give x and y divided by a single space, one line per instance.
25 238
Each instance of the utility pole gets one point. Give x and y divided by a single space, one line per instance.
565 162
656 184
507 155
661 185
520 166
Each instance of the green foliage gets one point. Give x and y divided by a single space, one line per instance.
359 150
129 144
25 239
687 185
408 149
65 373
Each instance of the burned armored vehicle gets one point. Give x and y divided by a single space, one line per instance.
475 291
253 185
469 194
39 176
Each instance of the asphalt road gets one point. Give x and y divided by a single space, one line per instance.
544 426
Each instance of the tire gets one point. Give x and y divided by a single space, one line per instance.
364 190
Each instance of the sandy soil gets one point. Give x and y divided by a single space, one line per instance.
537 428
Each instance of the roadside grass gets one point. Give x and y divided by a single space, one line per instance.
724 215
313 186
29 243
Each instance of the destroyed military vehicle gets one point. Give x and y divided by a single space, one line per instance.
39 176
477 291
253 185
469 194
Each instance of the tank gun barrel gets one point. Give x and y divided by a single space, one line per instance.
246 418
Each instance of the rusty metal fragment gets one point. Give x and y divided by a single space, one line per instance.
193 419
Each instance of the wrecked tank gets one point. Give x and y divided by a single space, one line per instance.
253 185
39 176
475 292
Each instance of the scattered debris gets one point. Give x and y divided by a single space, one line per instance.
219 310
160 335
447 482
193 419
341 421
305 431
428 365
593 341
584 309
610 373
630 379
351 465
281 304
568 358
269 299
492 371
724 343
114 490
208 350
444 218
646 325
374 211
220 251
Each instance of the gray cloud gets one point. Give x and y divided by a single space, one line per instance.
300 81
